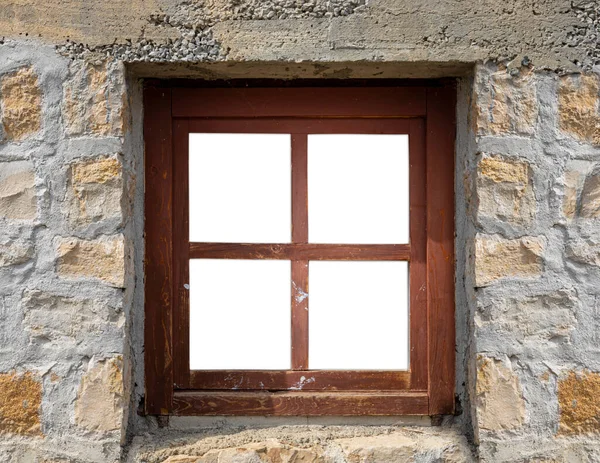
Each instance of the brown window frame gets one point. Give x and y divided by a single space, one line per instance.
426 112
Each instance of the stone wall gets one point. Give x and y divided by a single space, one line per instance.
527 208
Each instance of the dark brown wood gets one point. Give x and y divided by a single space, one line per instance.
306 126
299 188
299 102
311 380
299 314
300 403
181 280
440 247
299 251
418 256
158 265
299 267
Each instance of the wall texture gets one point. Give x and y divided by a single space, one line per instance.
528 220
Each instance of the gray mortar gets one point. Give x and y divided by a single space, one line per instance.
194 22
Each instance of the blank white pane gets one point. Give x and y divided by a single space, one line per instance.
239 314
358 189
358 316
240 187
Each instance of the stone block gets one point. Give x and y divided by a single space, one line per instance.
505 190
536 318
506 104
96 188
21 399
102 259
579 403
93 100
497 258
21 104
99 405
15 253
49 318
578 98
499 399
17 190
584 252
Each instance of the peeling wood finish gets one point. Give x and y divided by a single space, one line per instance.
300 403
300 251
310 380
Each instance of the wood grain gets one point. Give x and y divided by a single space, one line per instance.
300 125
300 403
300 251
440 247
418 257
298 102
311 380
181 279
158 264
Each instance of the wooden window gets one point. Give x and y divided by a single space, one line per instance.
257 196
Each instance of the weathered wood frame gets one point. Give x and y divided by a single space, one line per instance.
426 114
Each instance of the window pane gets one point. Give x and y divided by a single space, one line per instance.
240 187
239 314
358 189
358 315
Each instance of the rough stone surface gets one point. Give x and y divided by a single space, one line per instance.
21 104
15 253
20 405
308 444
96 190
99 405
102 259
17 190
497 258
499 400
545 317
58 320
93 100
505 190
578 107
579 400
507 104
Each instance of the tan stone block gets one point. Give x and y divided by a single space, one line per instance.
17 190
578 107
96 190
499 400
505 190
590 196
507 104
103 259
15 253
99 405
537 318
379 449
497 258
21 399
59 320
583 252
21 104
579 403
93 100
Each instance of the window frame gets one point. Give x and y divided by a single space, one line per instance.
174 109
